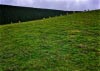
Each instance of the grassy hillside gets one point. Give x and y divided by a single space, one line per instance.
65 43
9 14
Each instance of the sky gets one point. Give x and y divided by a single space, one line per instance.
67 5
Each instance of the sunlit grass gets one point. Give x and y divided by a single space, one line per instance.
65 43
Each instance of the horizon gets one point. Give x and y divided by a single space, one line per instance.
40 8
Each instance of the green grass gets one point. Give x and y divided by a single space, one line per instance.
65 43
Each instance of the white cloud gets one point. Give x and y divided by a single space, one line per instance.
56 4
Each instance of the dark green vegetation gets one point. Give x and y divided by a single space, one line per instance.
12 14
65 43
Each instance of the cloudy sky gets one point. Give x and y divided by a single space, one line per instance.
56 4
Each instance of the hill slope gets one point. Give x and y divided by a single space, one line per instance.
65 43
9 14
